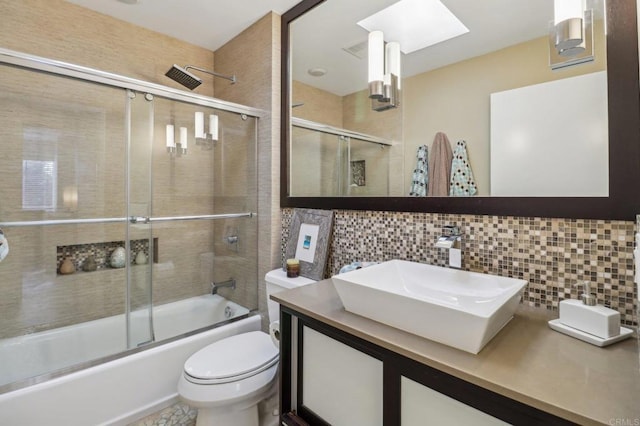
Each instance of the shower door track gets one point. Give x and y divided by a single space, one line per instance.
323 128
124 219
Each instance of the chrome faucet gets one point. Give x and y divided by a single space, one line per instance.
231 283
451 239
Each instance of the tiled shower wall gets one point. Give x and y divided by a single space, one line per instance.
34 298
552 255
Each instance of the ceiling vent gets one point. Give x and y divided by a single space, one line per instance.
358 50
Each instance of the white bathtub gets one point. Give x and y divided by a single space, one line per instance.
115 392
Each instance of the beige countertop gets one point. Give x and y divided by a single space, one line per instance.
526 361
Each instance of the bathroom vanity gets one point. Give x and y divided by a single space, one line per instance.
341 368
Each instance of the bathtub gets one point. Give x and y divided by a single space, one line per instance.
115 392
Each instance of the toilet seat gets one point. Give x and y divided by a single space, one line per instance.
231 359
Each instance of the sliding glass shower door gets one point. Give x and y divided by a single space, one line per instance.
118 205
203 197
63 212
330 162
192 185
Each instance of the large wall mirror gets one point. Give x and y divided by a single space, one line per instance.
542 135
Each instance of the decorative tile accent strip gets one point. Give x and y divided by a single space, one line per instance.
552 255
637 317
178 414
101 252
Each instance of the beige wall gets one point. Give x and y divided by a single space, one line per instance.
92 155
456 99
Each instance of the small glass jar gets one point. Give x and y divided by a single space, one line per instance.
293 268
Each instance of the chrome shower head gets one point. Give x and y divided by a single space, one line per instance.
183 77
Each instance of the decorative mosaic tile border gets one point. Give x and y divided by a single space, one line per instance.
637 317
178 414
552 255
101 253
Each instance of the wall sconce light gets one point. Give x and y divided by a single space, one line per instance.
570 34
384 72
568 21
213 127
183 140
172 148
203 138
171 141
199 125
376 64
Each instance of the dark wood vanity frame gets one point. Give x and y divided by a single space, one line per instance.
623 202
394 367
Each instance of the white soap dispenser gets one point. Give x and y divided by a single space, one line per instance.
587 316
588 321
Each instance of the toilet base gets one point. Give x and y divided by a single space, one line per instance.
214 417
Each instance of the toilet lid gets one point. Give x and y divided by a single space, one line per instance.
232 358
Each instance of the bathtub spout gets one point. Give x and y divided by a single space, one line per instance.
229 283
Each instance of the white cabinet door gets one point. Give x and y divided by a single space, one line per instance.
422 406
340 384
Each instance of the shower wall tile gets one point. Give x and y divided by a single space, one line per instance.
258 72
552 255
318 105
34 297
249 57
84 37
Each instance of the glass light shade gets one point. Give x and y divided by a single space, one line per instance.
376 56
171 142
567 9
199 124
183 137
392 60
213 126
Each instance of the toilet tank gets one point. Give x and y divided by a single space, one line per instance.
277 281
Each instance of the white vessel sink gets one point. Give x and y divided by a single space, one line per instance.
461 309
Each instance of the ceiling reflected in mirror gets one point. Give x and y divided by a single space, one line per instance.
329 37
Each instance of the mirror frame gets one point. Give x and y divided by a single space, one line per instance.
623 202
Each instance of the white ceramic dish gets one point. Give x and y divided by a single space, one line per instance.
589 338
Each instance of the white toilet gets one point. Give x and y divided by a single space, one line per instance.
226 380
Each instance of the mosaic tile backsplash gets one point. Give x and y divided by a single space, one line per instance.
552 255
